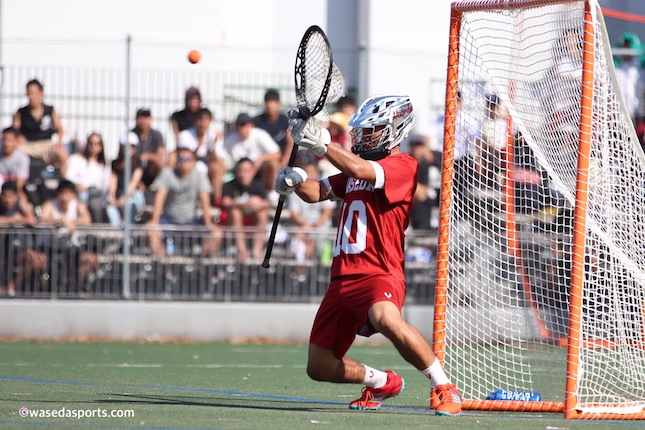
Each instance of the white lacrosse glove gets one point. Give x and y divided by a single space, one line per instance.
310 135
287 179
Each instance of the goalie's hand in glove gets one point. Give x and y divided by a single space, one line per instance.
287 179
310 135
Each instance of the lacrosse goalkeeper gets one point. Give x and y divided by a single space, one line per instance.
367 289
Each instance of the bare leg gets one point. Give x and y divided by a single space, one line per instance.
413 347
154 239
323 366
236 218
30 260
262 219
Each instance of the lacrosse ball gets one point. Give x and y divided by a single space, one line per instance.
194 56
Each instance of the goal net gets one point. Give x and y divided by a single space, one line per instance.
541 259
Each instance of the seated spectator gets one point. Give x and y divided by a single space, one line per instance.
248 141
244 204
202 139
14 165
346 105
65 212
490 152
14 211
151 148
178 191
185 118
91 174
117 198
339 132
309 218
42 134
426 198
276 124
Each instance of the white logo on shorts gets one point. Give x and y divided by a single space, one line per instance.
388 295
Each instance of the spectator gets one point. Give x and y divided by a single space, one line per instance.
63 248
117 197
178 191
493 143
14 165
13 211
309 219
248 141
185 118
202 139
276 124
244 202
426 198
346 105
151 148
91 174
339 132
42 134
628 73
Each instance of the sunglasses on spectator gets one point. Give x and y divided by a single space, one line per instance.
184 159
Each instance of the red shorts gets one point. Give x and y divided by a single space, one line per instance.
343 312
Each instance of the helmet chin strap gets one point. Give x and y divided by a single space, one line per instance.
374 154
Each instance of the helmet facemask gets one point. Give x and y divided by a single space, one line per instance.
379 125
371 143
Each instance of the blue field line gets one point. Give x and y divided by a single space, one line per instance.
245 394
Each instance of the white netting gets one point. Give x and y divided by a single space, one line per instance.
507 315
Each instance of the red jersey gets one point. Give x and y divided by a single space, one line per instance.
373 218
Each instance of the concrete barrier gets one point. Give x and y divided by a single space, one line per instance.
197 321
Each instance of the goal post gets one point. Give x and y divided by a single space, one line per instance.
541 252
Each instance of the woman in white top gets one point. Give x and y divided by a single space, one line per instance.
91 175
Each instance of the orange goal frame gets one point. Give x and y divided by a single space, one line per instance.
574 341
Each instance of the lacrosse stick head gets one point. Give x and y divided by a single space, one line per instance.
317 78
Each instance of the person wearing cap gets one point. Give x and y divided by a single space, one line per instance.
276 124
629 73
248 141
151 148
90 172
185 118
14 165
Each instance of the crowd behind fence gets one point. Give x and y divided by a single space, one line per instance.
89 264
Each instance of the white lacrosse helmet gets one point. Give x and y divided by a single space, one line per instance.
380 124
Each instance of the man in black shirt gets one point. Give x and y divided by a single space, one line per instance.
245 203
185 118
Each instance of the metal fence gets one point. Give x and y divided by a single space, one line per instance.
89 264
99 88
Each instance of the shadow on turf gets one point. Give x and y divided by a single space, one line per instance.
239 402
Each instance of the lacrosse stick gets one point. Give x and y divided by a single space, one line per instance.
316 78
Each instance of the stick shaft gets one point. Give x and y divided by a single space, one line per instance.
278 212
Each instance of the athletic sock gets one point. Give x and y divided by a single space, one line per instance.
374 378
436 374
